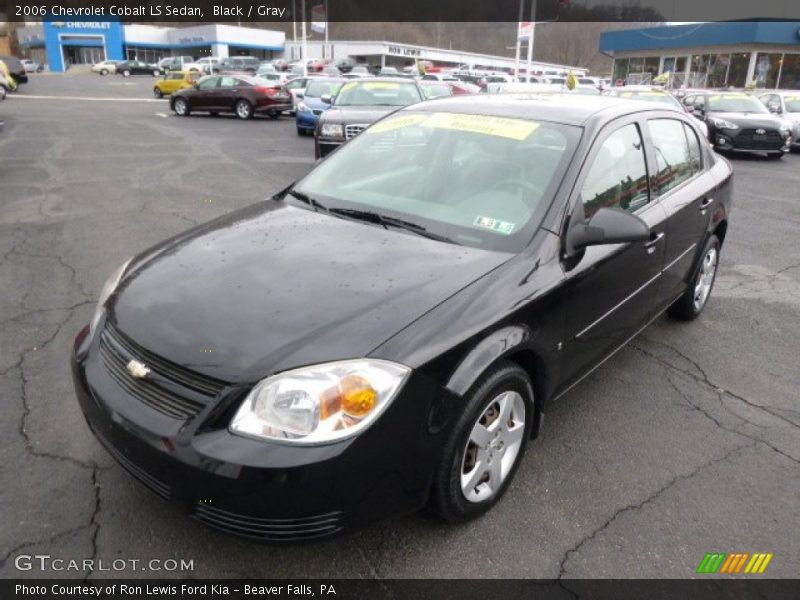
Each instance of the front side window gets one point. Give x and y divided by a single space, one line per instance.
208 84
320 87
673 158
618 175
480 181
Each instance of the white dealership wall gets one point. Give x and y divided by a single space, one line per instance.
221 38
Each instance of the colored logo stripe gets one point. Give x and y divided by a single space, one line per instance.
720 562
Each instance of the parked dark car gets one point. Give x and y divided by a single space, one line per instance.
387 332
242 95
359 103
239 64
137 67
16 68
738 122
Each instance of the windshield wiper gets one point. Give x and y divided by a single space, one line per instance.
307 199
386 220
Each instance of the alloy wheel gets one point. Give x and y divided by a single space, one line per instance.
705 279
180 106
243 109
493 447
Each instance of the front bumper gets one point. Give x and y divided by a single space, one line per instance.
306 121
266 491
270 106
742 140
324 146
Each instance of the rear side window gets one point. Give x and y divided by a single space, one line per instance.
672 154
695 154
618 175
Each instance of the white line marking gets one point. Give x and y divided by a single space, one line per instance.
162 115
83 98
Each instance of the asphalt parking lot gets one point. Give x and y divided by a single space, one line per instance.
685 442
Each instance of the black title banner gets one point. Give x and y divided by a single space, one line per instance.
402 589
244 11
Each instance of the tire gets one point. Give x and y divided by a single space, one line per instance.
776 156
126 73
214 113
273 114
181 107
301 132
694 299
158 93
103 72
243 109
472 477
156 73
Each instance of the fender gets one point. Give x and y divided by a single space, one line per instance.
492 347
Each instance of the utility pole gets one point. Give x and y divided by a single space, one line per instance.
530 41
305 40
294 20
519 42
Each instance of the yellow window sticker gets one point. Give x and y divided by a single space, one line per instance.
515 129
496 225
348 86
381 85
397 122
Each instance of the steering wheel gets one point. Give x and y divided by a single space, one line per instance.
520 184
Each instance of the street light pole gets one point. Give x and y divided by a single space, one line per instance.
305 41
530 40
519 42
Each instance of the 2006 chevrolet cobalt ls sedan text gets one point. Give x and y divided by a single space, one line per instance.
386 333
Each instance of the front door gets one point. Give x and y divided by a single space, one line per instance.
203 98
611 289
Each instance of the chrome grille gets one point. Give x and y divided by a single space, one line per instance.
275 530
351 131
174 391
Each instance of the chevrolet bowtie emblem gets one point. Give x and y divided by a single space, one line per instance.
137 369
761 131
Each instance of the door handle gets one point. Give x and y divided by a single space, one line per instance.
706 203
654 239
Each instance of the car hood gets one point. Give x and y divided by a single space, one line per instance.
749 119
357 114
275 287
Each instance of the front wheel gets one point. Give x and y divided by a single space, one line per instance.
126 73
273 114
776 156
244 110
156 73
181 107
486 445
694 299
103 71
158 93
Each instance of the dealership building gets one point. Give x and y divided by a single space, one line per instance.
724 54
61 44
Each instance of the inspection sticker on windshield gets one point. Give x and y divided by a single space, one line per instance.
515 129
495 225
397 122
380 85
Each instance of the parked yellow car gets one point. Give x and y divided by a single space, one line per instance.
7 81
174 81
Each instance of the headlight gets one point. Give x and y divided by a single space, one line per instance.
303 107
786 128
321 403
108 288
333 130
723 124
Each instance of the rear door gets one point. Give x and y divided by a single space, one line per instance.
227 92
611 289
685 188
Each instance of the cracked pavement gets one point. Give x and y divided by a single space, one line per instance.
685 442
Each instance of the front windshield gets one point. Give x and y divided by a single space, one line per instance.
319 88
659 97
377 93
792 103
477 180
734 103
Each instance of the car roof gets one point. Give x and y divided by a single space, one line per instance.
558 108
386 80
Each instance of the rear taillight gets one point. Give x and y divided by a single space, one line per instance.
269 92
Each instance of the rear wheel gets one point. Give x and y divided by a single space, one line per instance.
103 71
776 156
244 110
485 447
273 114
301 132
158 93
181 107
694 299
126 73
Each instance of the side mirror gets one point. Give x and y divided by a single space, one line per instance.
299 96
689 108
326 99
774 108
607 226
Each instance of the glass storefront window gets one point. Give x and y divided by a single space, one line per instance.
620 70
767 67
737 71
651 65
636 65
680 64
790 74
717 69
669 65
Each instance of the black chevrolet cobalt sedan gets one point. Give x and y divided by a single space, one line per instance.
386 334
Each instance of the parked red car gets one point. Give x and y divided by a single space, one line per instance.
240 94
